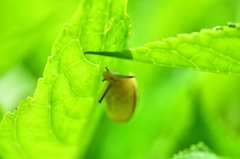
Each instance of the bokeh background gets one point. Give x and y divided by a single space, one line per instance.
176 107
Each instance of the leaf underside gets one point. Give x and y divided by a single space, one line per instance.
52 123
214 50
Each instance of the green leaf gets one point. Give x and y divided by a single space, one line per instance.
199 151
54 123
209 50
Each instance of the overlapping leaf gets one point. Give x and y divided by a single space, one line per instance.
209 50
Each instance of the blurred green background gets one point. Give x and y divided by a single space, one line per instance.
176 107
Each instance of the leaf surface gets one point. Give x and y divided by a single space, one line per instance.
54 122
209 50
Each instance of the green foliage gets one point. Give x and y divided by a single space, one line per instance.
210 50
199 151
54 122
176 107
